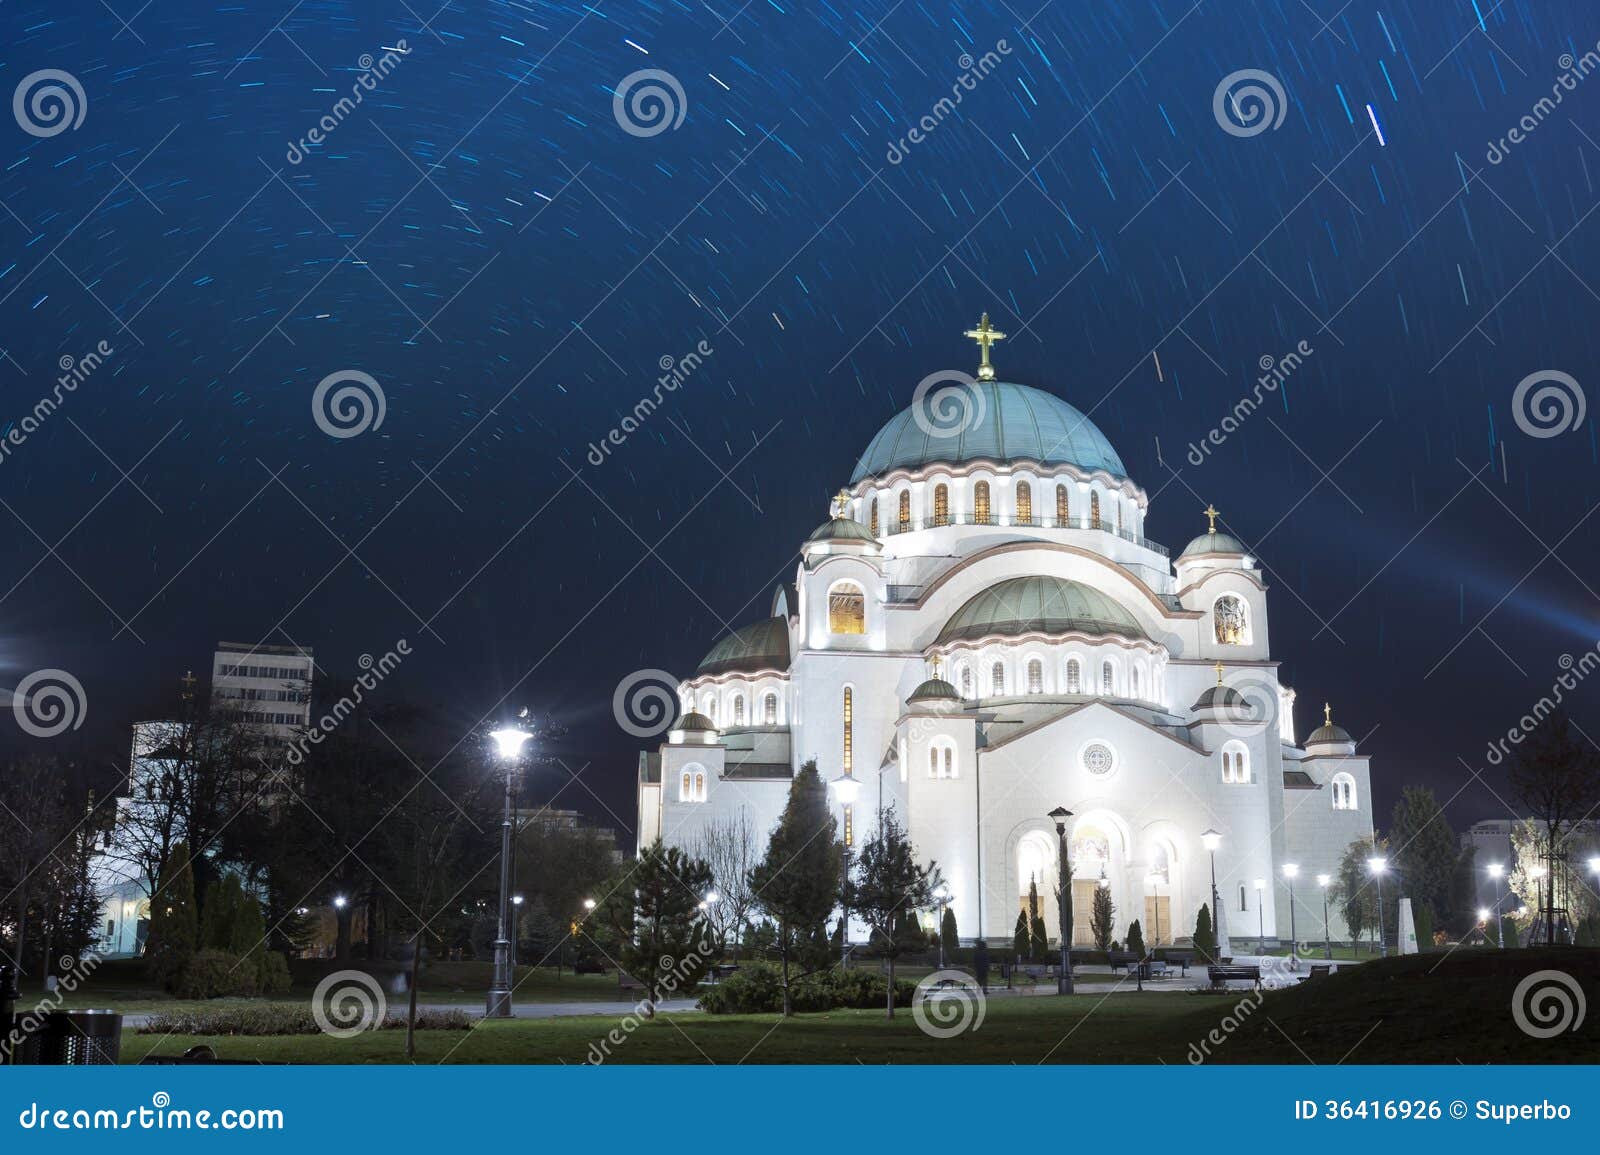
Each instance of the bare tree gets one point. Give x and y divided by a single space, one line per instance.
728 845
1556 776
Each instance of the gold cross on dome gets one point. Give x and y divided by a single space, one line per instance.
1327 714
188 681
936 664
1212 513
841 502
985 335
1219 673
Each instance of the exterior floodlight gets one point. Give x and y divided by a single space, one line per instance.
509 740
1324 879
1377 865
1211 839
1496 870
1291 870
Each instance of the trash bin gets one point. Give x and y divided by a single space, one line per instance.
69 1038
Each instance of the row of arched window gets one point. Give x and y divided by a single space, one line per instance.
1068 514
1142 681
766 709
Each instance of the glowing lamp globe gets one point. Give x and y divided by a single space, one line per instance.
509 740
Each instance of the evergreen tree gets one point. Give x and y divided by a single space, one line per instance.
797 884
220 912
1020 937
888 884
1205 936
655 912
949 940
1508 932
1136 939
174 923
1422 920
1041 940
1426 849
1102 918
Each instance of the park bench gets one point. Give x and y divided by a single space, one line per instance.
1121 960
1320 971
1221 975
952 983
1155 968
627 982
1178 958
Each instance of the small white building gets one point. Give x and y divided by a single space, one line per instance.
982 633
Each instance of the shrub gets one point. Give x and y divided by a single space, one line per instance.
273 973
279 1019
211 974
757 988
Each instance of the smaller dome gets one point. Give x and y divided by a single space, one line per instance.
1220 698
934 690
841 529
1328 734
750 649
695 722
1214 543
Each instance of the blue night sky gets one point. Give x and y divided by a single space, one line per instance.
482 237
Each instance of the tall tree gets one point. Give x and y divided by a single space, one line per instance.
729 846
1556 776
949 939
1022 936
798 882
655 910
1355 892
1205 935
1425 848
1102 918
174 919
888 885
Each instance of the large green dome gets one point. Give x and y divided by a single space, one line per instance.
760 646
1016 423
1043 605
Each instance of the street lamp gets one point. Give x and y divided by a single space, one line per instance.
847 789
1290 871
1327 943
943 895
1211 839
1261 916
1497 871
1378 865
1064 980
508 741
516 901
1154 879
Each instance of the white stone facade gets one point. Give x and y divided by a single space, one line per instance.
1083 668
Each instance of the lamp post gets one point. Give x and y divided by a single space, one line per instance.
943 895
1261 916
1211 839
1497 871
516 922
1064 980
508 741
847 789
1323 880
1154 879
1290 871
1377 865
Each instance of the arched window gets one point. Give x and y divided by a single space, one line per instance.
1074 676
1243 900
933 761
1108 677
1136 681
1063 506
966 682
700 787
997 679
872 516
1119 517
941 760
1228 617
1035 676
738 709
1024 503
847 609
1235 764
1094 510
1344 792
711 708
686 787
941 504
769 710
905 510
692 785
980 503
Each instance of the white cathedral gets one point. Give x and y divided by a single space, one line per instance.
982 634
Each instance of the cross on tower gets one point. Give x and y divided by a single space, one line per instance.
985 335
1327 714
1219 673
1212 513
841 502
188 680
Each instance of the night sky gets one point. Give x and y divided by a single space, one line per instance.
483 238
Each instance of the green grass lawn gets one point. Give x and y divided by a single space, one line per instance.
1420 1009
